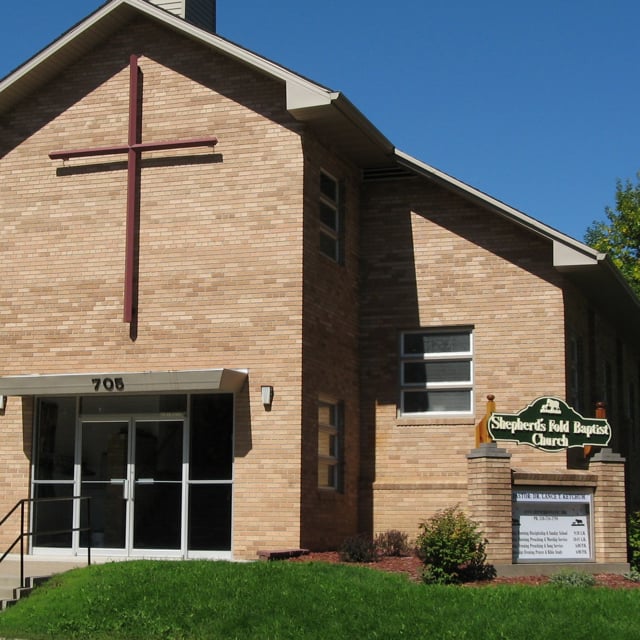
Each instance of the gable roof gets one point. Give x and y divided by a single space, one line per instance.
334 117
329 112
591 271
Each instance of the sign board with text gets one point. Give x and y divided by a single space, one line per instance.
551 425
552 525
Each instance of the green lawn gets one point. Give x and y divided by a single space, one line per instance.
200 600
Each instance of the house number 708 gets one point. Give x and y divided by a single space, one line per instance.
108 384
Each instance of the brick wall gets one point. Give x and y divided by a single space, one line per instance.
489 500
220 251
16 421
230 276
431 259
610 530
330 352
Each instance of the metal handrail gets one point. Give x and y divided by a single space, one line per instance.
25 534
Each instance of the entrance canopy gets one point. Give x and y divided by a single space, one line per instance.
225 380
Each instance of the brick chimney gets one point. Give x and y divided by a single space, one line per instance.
201 13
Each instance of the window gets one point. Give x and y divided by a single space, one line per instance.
329 444
437 372
576 373
330 217
632 415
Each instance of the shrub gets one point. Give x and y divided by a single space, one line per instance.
633 575
393 543
633 533
452 549
360 548
570 578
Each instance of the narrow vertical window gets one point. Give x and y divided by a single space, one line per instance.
329 444
331 223
632 415
436 372
576 373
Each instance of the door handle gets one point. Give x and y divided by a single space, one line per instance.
125 486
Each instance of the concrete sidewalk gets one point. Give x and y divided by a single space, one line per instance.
34 566
40 565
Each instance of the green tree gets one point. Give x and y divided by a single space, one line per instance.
620 236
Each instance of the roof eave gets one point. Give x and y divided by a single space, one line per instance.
328 113
592 272
96 27
572 249
338 122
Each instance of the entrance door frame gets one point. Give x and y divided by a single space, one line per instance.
129 551
129 485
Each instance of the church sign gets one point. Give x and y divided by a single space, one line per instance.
551 425
552 525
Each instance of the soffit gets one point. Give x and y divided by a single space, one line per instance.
343 128
607 291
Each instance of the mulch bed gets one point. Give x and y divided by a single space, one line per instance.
412 567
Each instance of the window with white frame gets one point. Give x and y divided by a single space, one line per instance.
330 217
330 418
436 371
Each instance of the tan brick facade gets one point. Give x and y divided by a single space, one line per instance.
231 276
220 252
431 260
330 353
490 490
609 508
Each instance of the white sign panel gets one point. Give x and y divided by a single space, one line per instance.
552 496
551 527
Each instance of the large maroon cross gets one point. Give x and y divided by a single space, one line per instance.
133 149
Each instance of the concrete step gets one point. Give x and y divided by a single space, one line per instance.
33 566
10 595
6 593
7 585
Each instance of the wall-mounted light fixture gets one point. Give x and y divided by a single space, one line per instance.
3 402
267 396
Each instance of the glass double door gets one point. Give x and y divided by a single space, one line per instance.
134 471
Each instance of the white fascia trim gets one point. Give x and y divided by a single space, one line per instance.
57 45
567 251
302 96
301 89
565 256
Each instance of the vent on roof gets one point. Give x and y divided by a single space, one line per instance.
201 13
386 173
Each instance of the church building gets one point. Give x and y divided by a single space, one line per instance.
236 318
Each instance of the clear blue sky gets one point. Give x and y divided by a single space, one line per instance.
535 103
